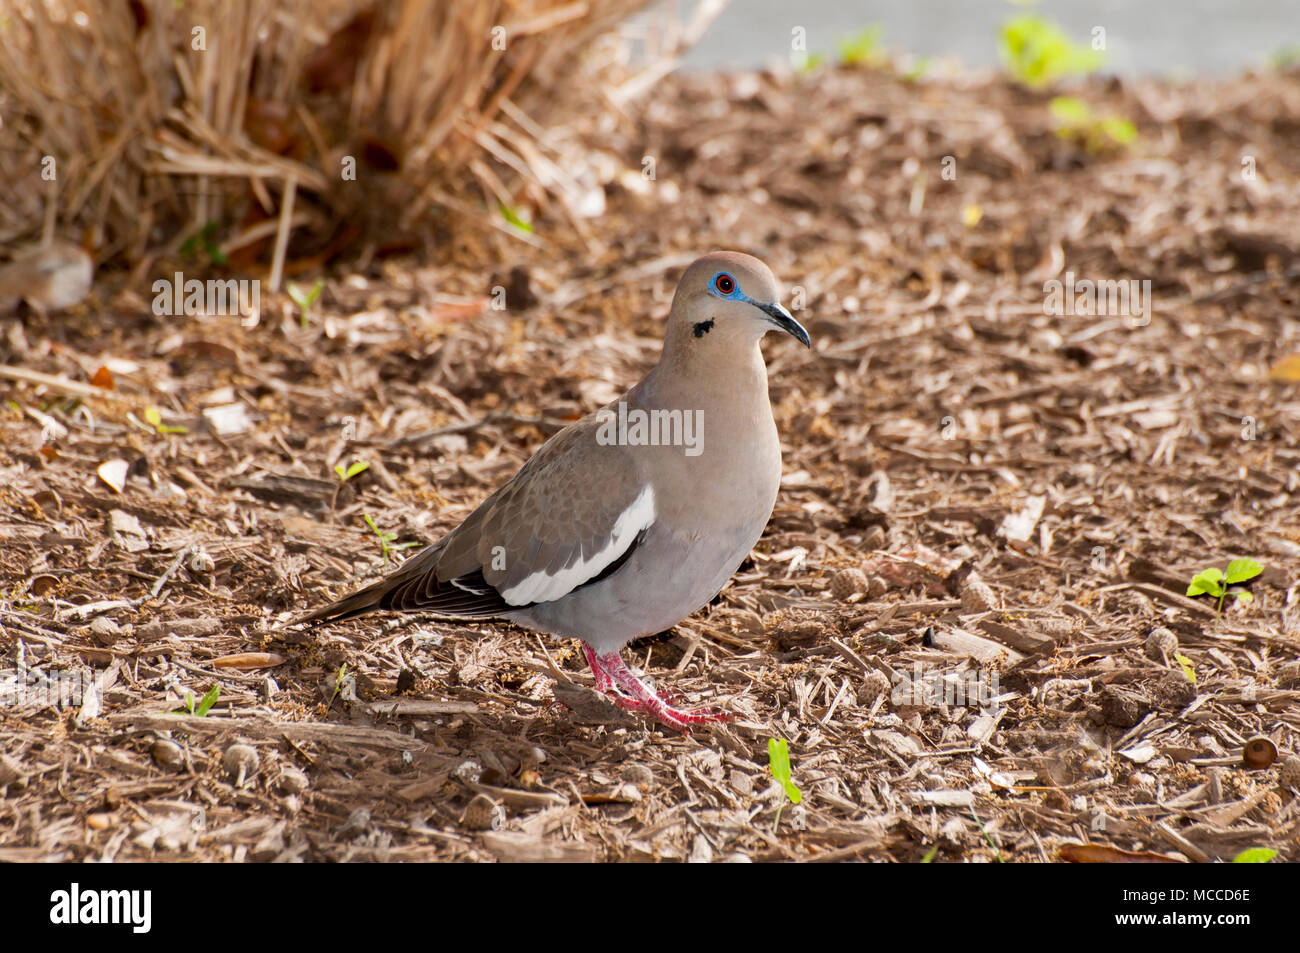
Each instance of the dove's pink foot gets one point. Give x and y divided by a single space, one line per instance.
604 684
627 691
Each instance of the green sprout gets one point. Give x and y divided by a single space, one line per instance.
1075 121
1037 53
513 217
997 854
304 298
348 472
153 417
916 71
812 61
338 682
1220 584
1255 855
863 47
778 761
386 540
1285 58
1188 669
204 705
203 241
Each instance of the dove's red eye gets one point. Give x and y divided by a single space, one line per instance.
724 283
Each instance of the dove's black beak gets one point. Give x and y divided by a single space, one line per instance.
784 320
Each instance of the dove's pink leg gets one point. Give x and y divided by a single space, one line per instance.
638 695
604 684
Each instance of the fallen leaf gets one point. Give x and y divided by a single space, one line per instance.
246 661
1105 854
103 378
459 311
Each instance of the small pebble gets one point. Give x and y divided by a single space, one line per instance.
638 775
976 596
848 582
873 686
484 814
291 781
167 754
104 630
1288 774
1124 708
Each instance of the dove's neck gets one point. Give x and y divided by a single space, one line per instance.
724 378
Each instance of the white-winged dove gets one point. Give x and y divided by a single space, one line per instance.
627 521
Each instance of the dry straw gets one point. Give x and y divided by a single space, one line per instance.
137 122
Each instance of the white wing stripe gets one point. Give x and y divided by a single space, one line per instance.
544 587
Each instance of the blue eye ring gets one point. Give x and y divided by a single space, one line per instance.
725 285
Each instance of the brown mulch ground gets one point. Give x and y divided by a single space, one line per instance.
1026 496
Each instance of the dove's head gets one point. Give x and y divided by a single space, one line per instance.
727 296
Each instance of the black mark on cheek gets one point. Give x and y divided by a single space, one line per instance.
703 327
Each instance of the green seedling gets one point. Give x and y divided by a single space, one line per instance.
348 472
338 682
1285 58
1075 121
513 217
862 48
778 761
920 66
1220 583
997 854
1255 855
203 241
386 540
304 298
929 855
1188 668
812 61
205 704
153 418
1037 53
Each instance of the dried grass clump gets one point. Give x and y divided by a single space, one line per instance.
159 118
